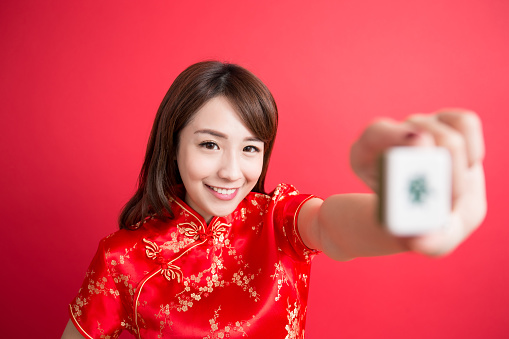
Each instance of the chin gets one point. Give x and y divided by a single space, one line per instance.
223 212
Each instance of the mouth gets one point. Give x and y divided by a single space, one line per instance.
223 193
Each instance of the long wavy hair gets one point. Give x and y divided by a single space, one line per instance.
197 84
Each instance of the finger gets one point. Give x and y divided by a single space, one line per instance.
378 137
385 133
440 242
448 137
469 125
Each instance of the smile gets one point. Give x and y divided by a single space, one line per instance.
223 193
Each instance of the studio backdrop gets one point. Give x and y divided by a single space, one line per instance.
82 81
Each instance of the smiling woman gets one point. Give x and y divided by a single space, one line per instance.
247 96
204 252
202 249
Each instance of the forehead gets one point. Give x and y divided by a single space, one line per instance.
218 114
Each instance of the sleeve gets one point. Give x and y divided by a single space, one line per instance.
287 204
97 311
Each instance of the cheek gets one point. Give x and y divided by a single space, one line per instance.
188 164
254 169
194 167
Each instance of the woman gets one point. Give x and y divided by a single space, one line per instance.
203 252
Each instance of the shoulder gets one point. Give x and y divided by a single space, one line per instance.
281 191
126 239
288 201
264 200
284 190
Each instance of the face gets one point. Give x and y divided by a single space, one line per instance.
219 159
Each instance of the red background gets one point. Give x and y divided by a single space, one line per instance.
80 85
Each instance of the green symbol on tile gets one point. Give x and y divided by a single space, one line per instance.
418 189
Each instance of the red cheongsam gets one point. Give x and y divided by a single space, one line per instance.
243 275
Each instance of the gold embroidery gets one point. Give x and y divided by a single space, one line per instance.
75 321
304 278
281 277
185 302
228 330
127 325
172 272
139 223
99 287
190 229
243 280
177 243
294 318
164 313
105 336
261 205
78 305
243 214
218 231
276 192
125 280
215 280
151 249
121 260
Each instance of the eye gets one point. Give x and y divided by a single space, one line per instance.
251 149
209 145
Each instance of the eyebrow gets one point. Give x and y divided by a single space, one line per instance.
224 136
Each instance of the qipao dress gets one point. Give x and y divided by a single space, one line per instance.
243 275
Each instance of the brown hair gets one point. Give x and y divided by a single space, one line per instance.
189 92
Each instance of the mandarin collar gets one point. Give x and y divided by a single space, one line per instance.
178 204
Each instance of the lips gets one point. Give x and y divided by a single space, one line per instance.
223 193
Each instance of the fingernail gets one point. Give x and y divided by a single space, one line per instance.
411 135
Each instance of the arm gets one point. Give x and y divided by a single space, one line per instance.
345 226
71 332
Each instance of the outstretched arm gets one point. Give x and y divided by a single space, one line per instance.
345 226
71 332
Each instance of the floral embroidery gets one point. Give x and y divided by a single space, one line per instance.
226 331
280 274
243 280
164 314
259 208
127 325
79 303
125 280
294 319
105 336
177 243
99 287
199 288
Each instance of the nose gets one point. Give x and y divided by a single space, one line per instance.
230 168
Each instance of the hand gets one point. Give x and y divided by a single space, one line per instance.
459 131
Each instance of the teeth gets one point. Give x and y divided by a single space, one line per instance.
223 190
